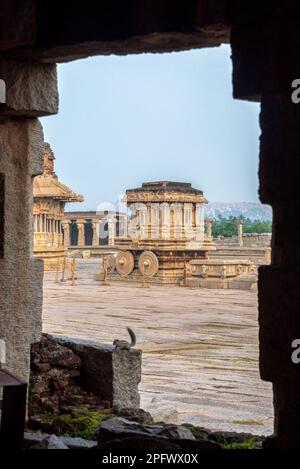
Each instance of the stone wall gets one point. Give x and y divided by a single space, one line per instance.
260 240
257 240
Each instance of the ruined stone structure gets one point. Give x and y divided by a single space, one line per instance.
92 232
254 247
49 199
164 233
264 38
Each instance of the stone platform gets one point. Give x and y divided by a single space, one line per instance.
238 274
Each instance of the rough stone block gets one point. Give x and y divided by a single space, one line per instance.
31 88
113 375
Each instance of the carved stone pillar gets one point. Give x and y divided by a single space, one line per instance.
111 231
165 220
177 219
209 223
67 235
199 222
188 220
154 221
143 221
81 237
95 227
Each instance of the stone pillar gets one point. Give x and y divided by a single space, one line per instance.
165 220
35 223
240 232
188 220
81 237
31 92
111 231
177 209
154 221
143 221
95 227
209 223
66 229
199 222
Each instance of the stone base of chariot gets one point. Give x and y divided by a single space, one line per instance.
162 278
156 267
236 274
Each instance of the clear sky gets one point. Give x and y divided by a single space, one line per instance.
126 120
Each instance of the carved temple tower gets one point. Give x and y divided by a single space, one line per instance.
50 197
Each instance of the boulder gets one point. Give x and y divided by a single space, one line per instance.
119 427
33 438
50 442
136 415
163 412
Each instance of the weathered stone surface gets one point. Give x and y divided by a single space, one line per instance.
113 375
20 275
31 88
49 352
55 372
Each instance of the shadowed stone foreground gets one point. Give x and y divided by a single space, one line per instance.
200 347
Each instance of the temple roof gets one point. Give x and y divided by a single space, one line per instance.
165 191
166 186
47 185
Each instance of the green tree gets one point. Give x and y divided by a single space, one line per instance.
227 227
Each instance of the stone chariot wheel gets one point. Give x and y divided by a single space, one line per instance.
148 264
124 263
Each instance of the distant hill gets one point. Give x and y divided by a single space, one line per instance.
253 211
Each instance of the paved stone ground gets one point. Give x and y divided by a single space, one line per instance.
200 347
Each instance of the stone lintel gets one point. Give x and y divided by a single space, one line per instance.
31 88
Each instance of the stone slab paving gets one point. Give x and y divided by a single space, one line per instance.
200 347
